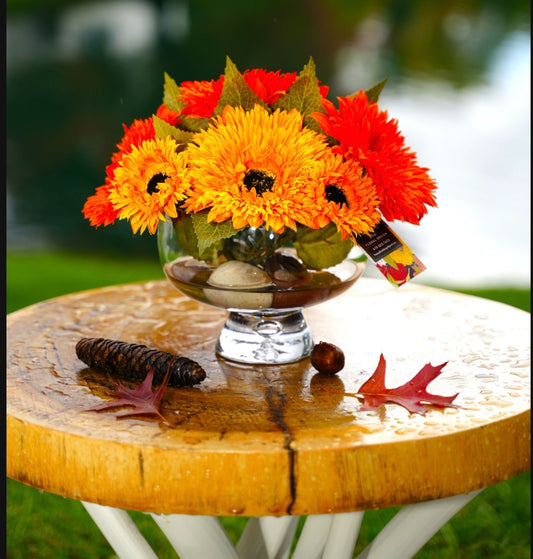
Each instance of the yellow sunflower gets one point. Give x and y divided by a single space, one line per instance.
149 182
254 168
346 196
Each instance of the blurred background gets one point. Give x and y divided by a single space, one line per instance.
458 82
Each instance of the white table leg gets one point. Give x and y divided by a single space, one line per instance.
278 533
413 526
120 531
251 544
195 537
323 536
343 535
313 538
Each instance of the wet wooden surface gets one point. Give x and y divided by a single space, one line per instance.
270 440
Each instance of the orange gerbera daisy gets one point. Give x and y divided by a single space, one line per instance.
168 115
134 135
254 167
141 130
367 135
149 182
98 209
269 86
201 97
346 196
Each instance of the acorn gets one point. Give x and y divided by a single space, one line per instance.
327 358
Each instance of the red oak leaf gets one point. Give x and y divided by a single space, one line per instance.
141 399
412 395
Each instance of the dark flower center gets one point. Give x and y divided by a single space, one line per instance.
335 194
260 180
154 181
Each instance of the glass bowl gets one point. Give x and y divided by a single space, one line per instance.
264 286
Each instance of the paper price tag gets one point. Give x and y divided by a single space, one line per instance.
393 258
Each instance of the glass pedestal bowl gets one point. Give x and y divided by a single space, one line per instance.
264 289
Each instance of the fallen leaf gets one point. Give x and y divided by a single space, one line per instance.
412 395
142 399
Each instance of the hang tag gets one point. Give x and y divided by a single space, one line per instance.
393 258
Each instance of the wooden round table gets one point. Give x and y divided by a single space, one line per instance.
270 441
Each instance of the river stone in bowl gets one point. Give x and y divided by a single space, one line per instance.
238 280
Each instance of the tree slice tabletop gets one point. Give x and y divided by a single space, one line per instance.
270 440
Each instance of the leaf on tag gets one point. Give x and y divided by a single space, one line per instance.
142 399
412 395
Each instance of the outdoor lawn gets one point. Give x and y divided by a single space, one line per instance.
39 525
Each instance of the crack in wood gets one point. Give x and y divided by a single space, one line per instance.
276 402
141 468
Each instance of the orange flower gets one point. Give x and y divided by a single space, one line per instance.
268 86
345 195
98 208
367 135
134 135
141 130
201 97
254 168
168 115
149 182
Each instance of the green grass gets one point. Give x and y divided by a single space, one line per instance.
34 277
496 524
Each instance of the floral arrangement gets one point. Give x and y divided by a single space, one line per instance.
264 149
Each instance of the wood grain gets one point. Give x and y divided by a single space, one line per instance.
270 440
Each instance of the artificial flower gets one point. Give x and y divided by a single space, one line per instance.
134 135
149 182
264 149
168 115
366 134
270 86
345 195
200 98
98 209
253 167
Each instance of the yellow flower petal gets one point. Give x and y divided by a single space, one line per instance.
255 167
148 183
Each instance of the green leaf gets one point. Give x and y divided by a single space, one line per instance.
374 92
303 95
209 234
186 236
321 248
236 92
195 124
163 129
200 239
171 92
